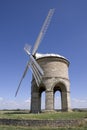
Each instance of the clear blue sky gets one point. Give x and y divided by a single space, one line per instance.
20 23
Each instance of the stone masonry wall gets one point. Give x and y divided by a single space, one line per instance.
54 67
43 123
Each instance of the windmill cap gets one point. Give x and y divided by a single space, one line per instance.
39 55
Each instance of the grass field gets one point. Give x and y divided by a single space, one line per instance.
27 128
53 116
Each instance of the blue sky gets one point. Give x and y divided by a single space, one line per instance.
20 23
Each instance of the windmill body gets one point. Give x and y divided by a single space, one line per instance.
55 78
49 72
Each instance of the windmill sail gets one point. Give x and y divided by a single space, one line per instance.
25 71
37 65
43 30
37 71
26 48
32 63
36 75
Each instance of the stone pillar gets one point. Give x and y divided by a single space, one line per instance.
35 99
35 103
68 101
65 96
49 101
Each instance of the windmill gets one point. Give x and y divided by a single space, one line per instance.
32 63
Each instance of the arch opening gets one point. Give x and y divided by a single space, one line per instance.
58 96
57 101
42 98
43 101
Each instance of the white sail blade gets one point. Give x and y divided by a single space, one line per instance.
27 48
25 71
43 30
37 65
36 73
36 76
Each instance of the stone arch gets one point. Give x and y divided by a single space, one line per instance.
63 89
60 87
36 97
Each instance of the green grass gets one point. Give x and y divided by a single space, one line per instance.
27 128
52 116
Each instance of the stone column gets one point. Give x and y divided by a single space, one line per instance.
65 101
35 102
49 105
68 101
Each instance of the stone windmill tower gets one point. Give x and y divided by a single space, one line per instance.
55 78
50 73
